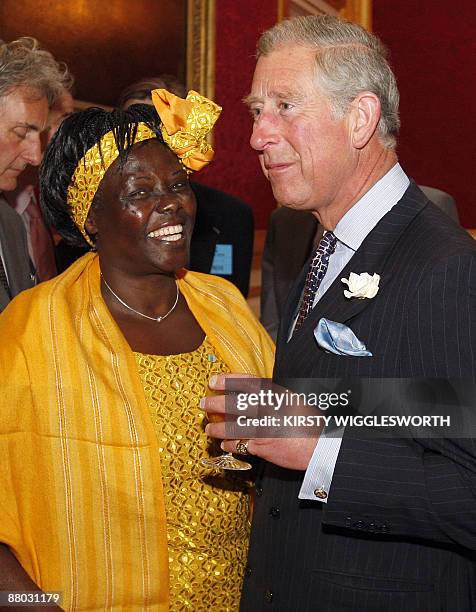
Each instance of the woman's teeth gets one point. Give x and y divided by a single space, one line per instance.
170 233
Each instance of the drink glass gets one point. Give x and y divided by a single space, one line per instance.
226 461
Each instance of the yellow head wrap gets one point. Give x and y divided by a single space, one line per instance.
185 125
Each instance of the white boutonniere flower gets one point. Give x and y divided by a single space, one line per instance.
361 286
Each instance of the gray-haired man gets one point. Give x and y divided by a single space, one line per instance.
30 82
358 523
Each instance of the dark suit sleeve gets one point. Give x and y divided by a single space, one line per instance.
242 241
269 315
422 488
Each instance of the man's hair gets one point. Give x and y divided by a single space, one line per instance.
140 90
24 64
77 134
349 60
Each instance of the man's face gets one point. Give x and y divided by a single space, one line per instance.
22 118
304 152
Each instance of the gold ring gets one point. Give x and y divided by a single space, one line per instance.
242 447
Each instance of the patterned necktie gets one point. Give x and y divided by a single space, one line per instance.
3 278
317 271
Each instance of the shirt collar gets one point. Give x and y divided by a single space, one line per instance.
364 215
24 198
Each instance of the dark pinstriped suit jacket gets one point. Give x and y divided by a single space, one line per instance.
399 529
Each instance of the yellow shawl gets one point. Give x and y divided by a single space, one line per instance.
81 500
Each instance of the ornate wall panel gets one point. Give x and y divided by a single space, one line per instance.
201 46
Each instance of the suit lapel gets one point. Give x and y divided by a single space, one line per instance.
372 256
17 261
291 302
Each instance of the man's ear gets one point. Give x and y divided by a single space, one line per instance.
365 115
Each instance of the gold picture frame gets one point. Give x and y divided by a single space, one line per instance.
200 54
358 11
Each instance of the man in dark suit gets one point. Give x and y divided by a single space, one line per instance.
283 257
222 239
358 523
30 80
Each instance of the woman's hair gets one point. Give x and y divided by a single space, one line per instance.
76 135
24 64
349 60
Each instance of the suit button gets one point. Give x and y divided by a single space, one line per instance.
320 493
259 491
359 525
248 571
274 512
268 596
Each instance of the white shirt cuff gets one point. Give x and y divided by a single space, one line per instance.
318 477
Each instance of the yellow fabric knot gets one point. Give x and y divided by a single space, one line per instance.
185 126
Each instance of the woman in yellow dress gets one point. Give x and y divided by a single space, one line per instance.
102 493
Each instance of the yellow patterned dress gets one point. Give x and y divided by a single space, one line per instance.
207 514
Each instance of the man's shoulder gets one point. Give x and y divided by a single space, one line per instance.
221 211
442 235
284 214
209 197
285 222
12 229
428 233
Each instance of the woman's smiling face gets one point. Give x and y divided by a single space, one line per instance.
143 213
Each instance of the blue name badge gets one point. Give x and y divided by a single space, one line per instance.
223 260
